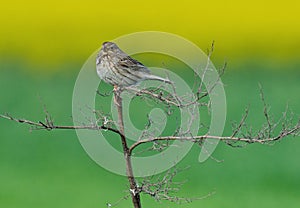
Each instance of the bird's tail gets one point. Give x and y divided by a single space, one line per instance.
154 77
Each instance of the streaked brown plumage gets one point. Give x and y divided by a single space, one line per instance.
120 70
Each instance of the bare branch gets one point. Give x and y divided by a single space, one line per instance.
173 99
135 196
242 122
118 202
49 125
293 132
266 112
164 187
159 96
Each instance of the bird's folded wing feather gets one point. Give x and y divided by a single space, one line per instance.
133 64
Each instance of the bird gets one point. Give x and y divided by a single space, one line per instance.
118 69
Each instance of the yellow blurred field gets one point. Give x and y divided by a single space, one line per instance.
54 32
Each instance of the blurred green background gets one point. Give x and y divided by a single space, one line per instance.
42 48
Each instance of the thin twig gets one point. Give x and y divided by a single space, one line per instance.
135 195
196 139
50 125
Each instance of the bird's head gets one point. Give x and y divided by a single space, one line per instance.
110 47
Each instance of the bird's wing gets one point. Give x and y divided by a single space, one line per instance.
133 64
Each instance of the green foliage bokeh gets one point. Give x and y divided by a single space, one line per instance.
50 169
